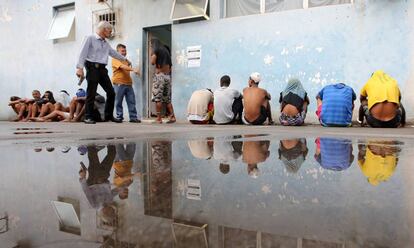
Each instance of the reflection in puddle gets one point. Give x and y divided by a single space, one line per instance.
235 191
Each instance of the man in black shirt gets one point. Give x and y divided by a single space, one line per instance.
161 87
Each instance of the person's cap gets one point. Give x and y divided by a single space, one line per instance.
81 93
255 76
82 150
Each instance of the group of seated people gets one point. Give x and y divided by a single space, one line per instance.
377 159
380 104
48 108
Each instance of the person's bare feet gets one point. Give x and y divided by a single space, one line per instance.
158 120
37 119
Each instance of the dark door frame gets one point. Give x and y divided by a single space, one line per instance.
146 91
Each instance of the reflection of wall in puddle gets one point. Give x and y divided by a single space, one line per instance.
314 201
44 176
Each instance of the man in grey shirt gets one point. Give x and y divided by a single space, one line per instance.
94 56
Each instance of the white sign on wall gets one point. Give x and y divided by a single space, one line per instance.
193 189
193 56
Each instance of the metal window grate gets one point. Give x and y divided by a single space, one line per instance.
111 16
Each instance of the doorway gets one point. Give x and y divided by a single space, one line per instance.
162 33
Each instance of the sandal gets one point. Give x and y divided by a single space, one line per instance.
171 120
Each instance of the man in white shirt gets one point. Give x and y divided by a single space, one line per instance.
228 104
200 107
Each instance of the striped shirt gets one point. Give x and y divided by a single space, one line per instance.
337 104
336 154
96 50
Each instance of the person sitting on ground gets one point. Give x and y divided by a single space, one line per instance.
256 103
19 107
335 105
62 101
378 160
77 108
228 103
46 105
27 105
381 102
200 107
294 103
255 152
293 153
334 154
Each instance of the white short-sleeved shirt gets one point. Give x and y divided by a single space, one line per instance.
223 102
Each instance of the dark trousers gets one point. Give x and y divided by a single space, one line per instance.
237 109
99 172
98 75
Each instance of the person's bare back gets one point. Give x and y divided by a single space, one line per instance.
384 111
254 99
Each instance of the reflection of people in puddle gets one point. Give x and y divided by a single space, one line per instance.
227 151
334 154
96 186
202 149
379 161
255 152
123 165
293 153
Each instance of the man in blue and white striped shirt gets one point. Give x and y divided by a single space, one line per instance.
94 56
335 105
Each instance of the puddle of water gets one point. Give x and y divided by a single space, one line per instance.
238 191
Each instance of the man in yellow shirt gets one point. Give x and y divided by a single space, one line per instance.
122 82
381 102
378 160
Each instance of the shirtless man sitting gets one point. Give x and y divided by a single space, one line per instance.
381 102
256 103
255 152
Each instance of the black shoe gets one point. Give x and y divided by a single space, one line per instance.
89 121
113 119
135 121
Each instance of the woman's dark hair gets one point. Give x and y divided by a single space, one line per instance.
51 99
14 98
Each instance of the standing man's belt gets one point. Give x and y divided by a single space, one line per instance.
94 65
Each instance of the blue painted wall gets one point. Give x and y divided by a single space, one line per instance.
320 46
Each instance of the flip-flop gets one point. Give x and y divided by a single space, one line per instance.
171 121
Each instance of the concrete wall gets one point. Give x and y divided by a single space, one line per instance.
29 61
343 43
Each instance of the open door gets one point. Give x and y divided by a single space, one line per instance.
162 33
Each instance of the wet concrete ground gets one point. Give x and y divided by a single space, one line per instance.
127 185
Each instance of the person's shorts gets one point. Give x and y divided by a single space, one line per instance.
161 88
260 120
374 122
296 120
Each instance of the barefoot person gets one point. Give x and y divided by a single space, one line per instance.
256 103
19 107
161 86
94 57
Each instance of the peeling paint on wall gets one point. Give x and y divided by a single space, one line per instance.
268 59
